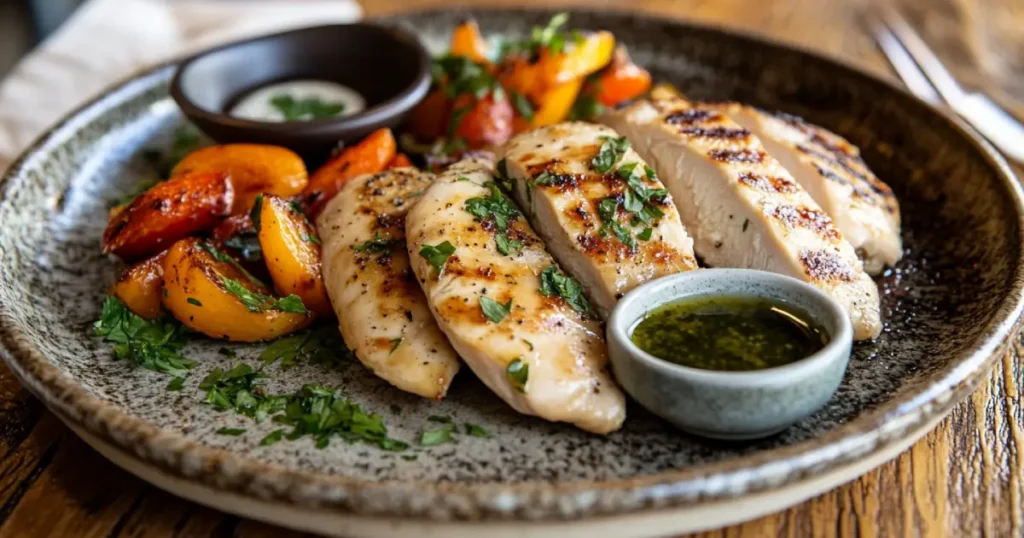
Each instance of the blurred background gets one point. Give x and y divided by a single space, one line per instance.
23 23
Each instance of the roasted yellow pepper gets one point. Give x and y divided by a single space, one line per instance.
205 292
291 249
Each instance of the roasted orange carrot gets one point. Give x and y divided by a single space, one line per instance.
369 156
167 212
467 42
621 80
140 287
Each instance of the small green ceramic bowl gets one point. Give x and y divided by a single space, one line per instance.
730 405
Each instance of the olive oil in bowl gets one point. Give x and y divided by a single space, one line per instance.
728 333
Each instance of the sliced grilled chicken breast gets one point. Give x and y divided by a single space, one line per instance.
611 225
517 321
382 312
742 207
831 170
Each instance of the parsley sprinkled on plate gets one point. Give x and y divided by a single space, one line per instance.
518 373
555 283
437 255
494 311
155 345
610 153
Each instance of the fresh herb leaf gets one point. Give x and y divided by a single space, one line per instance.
586 108
437 255
409 457
258 302
544 179
522 105
231 431
378 244
155 345
395 342
554 283
455 120
437 436
496 206
311 238
493 310
610 153
273 437
477 431
443 419
506 246
193 301
309 108
502 169
518 373
645 235
528 343
176 384
459 75
395 408
136 191
256 212
223 257
321 345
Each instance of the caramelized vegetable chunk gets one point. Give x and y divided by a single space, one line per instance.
621 80
400 161
139 287
292 251
482 123
253 169
208 292
369 156
169 211
429 119
467 42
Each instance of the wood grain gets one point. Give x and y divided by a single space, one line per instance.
966 478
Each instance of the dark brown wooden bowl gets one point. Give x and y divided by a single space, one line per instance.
385 63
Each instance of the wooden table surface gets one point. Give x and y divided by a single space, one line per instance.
966 478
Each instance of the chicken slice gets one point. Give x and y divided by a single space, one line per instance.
742 207
569 202
382 312
831 170
524 328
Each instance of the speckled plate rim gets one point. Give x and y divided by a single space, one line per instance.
895 423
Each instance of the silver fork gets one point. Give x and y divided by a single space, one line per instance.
926 77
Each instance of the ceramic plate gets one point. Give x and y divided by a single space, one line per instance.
950 307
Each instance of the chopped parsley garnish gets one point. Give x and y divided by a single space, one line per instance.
154 345
437 255
320 345
608 210
176 384
645 235
544 179
493 310
395 342
272 437
551 37
518 373
258 302
231 431
395 408
309 108
610 153
136 191
586 107
436 436
453 125
256 212
507 246
223 257
311 238
522 105
317 411
461 75
378 244
555 283
498 208
193 301
443 419
477 431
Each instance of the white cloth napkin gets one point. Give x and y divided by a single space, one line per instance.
107 40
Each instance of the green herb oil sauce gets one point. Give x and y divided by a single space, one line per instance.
729 333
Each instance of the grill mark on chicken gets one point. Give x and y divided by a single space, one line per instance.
737 155
721 133
805 217
763 183
834 177
826 265
843 161
692 115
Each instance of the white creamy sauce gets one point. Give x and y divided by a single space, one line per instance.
259 104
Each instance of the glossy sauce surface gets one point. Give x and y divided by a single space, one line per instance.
299 100
728 333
